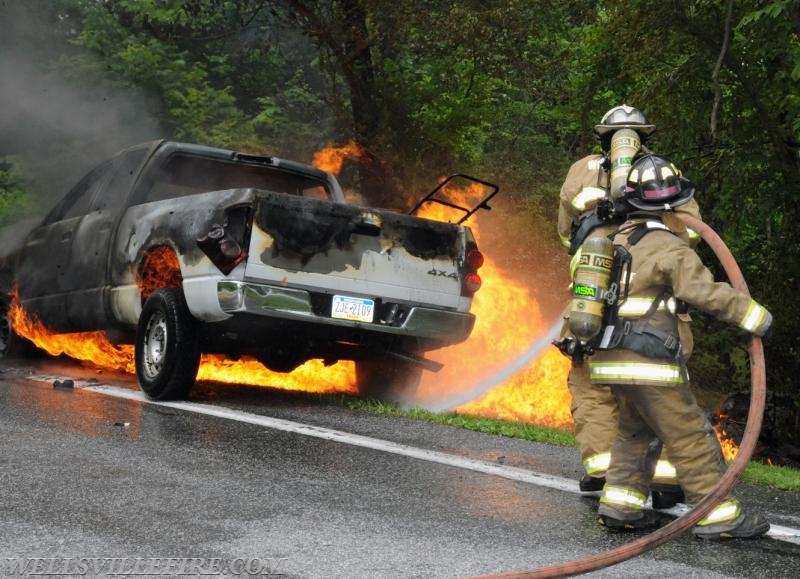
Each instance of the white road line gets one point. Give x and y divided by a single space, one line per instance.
509 472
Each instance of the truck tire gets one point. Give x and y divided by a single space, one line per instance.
387 380
167 346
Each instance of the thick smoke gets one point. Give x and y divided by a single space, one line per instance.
60 119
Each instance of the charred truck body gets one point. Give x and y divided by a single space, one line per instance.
183 249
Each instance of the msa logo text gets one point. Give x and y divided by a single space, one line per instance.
596 261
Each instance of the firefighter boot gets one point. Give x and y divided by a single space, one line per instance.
742 527
589 484
647 520
666 496
616 519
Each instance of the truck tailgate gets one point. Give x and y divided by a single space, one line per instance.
355 252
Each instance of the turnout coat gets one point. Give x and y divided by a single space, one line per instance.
663 260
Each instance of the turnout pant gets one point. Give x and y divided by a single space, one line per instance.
595 414
672 414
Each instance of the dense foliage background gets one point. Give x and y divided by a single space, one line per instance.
507 90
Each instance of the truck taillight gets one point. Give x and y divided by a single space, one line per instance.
226 245
472 283
473 262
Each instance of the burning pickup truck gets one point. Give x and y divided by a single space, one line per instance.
183 249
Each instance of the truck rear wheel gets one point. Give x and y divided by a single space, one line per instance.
167 346
388 380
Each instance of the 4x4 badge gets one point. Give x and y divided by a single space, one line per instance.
442 273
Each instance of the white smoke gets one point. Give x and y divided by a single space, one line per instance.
58 119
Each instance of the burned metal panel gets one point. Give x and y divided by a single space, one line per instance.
305 227
176 223
61 273
42 272
423 238
356 251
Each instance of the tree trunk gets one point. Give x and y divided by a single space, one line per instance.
347 38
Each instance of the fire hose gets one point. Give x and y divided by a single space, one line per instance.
728 480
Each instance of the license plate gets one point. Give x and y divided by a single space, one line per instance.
355 309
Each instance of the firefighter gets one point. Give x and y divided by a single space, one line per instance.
646 370
594 409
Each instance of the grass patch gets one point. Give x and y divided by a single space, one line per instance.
779 477
496 426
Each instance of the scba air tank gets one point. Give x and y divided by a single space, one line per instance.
590 283
625 143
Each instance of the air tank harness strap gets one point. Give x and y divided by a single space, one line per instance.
605 212
639 230
640 335
644 338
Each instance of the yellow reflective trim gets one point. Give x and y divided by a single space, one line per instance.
564 240
610 371
648 174
754 317
586 196
623 497
639 306
597 464
692 233
656 225
573 263
664 469
722 513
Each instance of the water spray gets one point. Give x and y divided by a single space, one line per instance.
517 365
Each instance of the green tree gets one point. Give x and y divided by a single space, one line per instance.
12 188
224 72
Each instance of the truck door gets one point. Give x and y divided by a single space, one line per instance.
92 242
43 275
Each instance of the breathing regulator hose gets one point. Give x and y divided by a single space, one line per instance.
734 471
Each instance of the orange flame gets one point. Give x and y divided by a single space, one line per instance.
508 319
159 269
729 447
332 158
94 347
87 346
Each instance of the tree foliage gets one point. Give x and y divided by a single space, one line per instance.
503 89
12 187
744 158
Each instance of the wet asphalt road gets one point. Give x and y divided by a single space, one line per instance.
83 474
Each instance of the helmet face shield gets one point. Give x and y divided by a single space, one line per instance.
655 184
